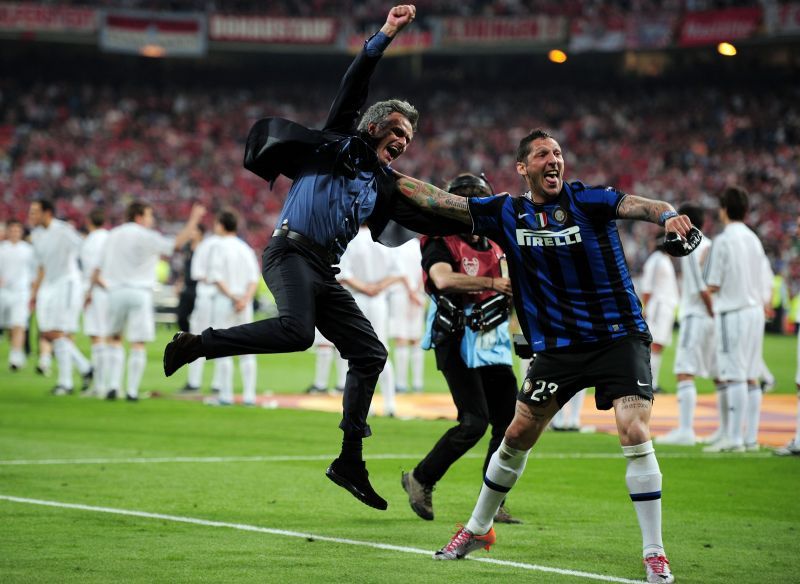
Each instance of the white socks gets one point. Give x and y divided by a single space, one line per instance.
16 357
576 405
81 362
401 355
224 369
63 353
655 367
722 408
137 359
737 402
417 367
115 359
386 382
643 478
322 369
687 403
754 397
342 365
98 356
505 468
195 374
247 367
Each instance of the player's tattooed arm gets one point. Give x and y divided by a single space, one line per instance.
434 199
658 212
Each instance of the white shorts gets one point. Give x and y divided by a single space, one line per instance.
200 319
132 314
376 309
224 316
14 309
661 320
696 350
740 340
96 316
58 305
406 319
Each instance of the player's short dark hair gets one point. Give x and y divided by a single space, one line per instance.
228 219
381 110
136 209
97 217
524 147
696 215
11 222
46 205
735 202
469 185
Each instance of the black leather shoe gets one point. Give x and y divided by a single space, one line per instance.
182 349
353 476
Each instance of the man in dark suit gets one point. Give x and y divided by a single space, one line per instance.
340 182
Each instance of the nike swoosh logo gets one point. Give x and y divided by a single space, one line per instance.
640 384
520 216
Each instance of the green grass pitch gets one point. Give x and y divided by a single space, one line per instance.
732 518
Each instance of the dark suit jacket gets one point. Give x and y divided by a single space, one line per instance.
278 146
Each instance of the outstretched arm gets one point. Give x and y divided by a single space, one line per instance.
659 212
435 200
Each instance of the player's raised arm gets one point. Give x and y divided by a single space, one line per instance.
659 212
435 200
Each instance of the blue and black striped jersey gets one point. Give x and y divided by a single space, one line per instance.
567 266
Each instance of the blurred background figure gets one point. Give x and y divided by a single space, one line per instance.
96 316
17 269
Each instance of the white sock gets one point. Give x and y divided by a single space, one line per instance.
16 357
386 382
225 369
505 467
45 360
81 362
341 371
137 359
722 408
322 369
643 478
687 402
98 366
655 367
194 377
754 397
401 357
558 418
63 353
797 426
247 368
115 360
216 378
576 403
417 367
737 402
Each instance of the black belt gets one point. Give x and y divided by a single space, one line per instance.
324 254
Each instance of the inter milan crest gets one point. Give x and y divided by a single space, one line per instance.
471 266
559 215
539 220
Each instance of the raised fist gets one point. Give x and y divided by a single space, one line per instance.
400 16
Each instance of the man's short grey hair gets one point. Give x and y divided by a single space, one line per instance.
380 110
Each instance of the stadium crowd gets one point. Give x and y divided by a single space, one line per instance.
85 145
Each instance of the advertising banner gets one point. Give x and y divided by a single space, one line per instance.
597 35
41 18
782 19
707 28
251 29
493 31
650 32
154 34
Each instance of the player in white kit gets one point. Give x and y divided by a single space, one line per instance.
96 318
324 356
695 354
200 319
128 271
735 274
233 269
407 317
17 268
57 290
659 288
368 269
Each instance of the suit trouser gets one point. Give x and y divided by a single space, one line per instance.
482 396
307 295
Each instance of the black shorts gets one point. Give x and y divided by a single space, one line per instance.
614 368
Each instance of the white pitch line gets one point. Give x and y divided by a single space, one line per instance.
297 534
329 457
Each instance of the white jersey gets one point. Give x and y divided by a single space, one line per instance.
131 254
199 268
692 283
659 280
91 252
736 265
234 263
17 266
367 260
56 247
408 258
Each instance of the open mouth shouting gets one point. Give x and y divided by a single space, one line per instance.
552 180
393 151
